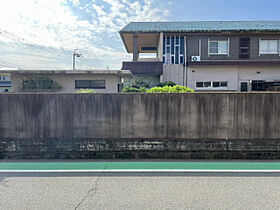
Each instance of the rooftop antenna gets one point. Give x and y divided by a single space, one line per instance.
75 54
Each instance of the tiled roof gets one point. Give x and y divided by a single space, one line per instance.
202 26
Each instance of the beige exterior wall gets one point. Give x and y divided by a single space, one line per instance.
174 73
68 82
232 74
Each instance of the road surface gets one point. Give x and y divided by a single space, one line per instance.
138 190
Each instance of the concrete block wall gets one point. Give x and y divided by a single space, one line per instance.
142 125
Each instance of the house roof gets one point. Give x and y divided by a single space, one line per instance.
67 72
202 26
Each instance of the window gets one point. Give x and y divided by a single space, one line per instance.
244 48
181 59
173 46
207 84
95 84
182 47
177 55
199 84
168 50
218 47
177 40
163 45
269 47
168 40
224 84
216 84
212 84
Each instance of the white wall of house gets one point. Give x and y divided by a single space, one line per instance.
68 82
220 73
232 74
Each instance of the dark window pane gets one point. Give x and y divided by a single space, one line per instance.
182 47
182 59
216 84
224 84
258 85
96 84
168 40
199 84
244 48
177 40
177 55
172 45
163 45
206 84
164 60
172 59
168 50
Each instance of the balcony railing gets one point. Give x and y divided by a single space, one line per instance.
144 67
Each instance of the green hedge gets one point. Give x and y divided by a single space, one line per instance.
165 89
86 91
170 89
134 90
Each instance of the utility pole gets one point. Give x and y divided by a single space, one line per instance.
75 54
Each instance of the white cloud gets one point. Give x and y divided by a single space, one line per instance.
53 24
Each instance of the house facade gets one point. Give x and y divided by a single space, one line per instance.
207 55
71 81
5 83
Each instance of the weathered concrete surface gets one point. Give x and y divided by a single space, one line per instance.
138 148
246 122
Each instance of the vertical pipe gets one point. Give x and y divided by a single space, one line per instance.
135 48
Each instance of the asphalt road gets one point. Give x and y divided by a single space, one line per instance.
139 191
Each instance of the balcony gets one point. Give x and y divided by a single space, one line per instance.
144 67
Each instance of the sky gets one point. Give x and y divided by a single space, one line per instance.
42 34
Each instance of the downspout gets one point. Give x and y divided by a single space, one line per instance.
185 63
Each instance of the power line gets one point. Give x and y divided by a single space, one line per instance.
8 64
15 37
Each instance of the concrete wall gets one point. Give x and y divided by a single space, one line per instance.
174 73
191 123
68 82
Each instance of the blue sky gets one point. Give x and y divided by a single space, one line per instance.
47 31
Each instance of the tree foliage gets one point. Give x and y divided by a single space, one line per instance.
39 83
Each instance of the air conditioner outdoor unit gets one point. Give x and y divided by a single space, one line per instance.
195 58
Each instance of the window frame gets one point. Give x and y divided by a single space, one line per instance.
227 44
269 53
211 86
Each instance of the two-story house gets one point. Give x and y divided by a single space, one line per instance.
206 55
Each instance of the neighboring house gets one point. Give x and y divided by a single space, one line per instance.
206 55
71 81
5 83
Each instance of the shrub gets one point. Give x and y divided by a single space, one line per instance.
86 91
138 83
39 83
169 83
133 89
169 89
